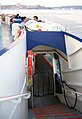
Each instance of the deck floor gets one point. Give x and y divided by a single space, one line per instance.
50 108
59 111
5 36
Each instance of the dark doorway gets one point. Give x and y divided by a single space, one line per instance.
43 83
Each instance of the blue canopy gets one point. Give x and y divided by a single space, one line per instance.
47 38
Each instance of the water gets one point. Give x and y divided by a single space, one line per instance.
70 19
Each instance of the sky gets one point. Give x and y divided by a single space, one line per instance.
51 3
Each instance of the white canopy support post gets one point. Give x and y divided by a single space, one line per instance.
54 71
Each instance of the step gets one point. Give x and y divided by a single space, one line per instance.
57 111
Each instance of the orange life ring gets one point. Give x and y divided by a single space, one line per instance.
30 56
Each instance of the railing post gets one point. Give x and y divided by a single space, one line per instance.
54 71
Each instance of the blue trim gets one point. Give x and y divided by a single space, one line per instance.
17 21
27 42
73 36
10 26
4 50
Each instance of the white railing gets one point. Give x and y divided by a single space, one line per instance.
25 96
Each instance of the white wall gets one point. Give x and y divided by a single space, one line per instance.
74 52
12 76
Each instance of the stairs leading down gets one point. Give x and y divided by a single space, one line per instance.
49 106
57 111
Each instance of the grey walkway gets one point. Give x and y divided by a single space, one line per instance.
49 107
5 36
42 102
57 111
45 100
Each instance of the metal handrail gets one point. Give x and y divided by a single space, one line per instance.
73 92
15 97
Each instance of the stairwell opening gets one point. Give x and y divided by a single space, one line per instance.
43 82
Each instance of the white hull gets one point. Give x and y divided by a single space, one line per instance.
13 81
72 72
